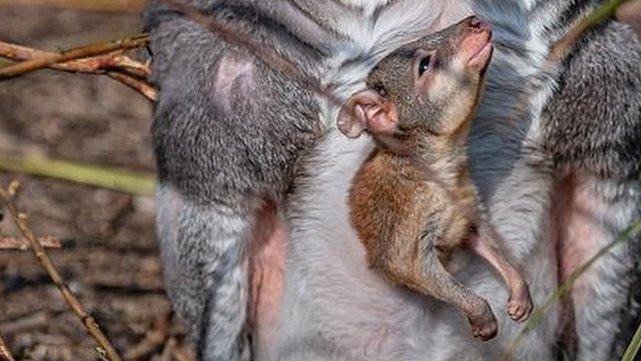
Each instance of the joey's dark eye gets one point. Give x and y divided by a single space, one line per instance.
423 65
380 89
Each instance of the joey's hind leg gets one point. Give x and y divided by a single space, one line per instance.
519 304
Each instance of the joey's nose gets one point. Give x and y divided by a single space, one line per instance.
476 42
477 24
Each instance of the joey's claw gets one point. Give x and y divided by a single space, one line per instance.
517 311
519 305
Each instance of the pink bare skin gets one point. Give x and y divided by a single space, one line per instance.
582 226
267 264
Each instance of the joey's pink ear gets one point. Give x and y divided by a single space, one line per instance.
367 110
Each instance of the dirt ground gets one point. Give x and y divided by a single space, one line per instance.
109 256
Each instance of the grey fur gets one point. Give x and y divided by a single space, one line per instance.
206 280
219 157
602 93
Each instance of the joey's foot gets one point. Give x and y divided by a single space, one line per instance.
519 305
483 322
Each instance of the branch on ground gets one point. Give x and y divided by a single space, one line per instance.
22 244
5 353
92 327
27 323
154 339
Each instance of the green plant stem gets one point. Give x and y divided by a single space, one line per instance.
140 184
632 350
597 16
566 287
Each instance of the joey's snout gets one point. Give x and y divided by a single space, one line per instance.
475 48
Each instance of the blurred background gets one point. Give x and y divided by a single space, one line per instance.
108 254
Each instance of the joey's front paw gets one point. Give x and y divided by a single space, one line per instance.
519 305
483 322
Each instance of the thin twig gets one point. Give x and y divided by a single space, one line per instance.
87 320
142 87
74 54
153 340
596 17
5 353
181 355
92 65
115 65
168 350
7 243
26 324
123 207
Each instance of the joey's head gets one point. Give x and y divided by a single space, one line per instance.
432 84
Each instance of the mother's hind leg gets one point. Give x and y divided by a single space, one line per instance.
204 252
